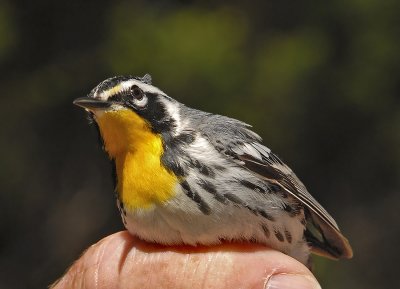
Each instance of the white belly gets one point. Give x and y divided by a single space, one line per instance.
181 222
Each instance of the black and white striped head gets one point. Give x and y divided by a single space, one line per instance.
137 94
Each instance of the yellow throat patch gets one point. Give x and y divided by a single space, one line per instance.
142 181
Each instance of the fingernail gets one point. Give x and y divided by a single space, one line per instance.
291 281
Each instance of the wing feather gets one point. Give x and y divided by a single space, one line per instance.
331 243
237 141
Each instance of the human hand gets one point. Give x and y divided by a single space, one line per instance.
124 261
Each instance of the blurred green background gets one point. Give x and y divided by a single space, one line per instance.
320 81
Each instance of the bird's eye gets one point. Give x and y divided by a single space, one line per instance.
137 92
139 97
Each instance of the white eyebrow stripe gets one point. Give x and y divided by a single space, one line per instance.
126 85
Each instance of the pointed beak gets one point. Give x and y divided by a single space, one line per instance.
91 103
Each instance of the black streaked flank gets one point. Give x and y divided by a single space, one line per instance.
170 161
174 147
273 188
203 169
235 199
288 236
266 215
266 230
203 206
252 186
279 235
210 188
207 171
173 150
195 163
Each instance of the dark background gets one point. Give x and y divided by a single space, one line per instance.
318 80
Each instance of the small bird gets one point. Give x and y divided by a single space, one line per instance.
184 176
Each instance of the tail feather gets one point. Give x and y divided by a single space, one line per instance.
326 240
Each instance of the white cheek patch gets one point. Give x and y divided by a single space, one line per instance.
174 112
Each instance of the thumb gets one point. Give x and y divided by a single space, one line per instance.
123 261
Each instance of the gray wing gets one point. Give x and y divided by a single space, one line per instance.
235 139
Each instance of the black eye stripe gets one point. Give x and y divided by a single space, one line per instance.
127 95
116 97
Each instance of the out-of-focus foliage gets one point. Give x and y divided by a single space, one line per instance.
7 27
319 82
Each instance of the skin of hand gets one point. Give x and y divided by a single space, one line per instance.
123 261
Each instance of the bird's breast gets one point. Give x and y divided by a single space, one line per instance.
142 180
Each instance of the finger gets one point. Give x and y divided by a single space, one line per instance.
123 261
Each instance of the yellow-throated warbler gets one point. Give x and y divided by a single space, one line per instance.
184 176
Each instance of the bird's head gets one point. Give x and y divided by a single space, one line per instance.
129 110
